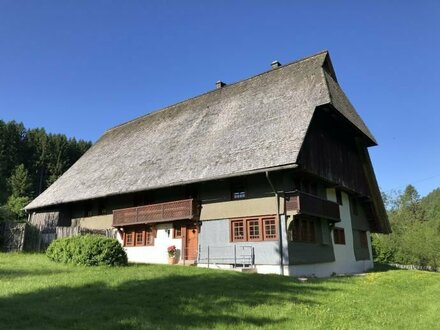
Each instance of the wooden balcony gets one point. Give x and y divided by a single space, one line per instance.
304 203
185 209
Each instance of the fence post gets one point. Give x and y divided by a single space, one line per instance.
235 256
208 256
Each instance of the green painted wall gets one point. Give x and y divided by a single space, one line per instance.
360 253
309 253
359 223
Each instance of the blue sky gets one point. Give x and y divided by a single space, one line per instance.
80 67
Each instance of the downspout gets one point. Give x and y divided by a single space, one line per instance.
280 236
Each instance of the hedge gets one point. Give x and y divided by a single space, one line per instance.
88 250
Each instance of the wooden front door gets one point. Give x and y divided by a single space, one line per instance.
191 240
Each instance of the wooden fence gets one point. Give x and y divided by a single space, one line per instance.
34 237
12 236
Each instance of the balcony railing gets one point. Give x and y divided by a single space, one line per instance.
162 212
304 203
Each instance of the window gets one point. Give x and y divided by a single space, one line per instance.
339 236
338 197
149 237
237 231
177 231
238 191
129 238
363 239
140 236
304 230
269 228
254 229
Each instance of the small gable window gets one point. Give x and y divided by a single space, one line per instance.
177 231
339 236
238 190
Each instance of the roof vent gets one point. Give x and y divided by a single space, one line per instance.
275 64
219 84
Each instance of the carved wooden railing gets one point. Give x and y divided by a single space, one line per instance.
304 203
160 212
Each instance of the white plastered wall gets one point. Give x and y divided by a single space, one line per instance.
345 261
157 253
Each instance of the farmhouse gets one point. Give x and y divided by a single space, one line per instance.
271 172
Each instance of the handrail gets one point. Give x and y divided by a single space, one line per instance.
243 255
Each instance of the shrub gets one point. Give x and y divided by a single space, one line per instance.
88 250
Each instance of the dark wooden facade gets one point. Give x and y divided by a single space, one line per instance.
308 204
336 152
330 151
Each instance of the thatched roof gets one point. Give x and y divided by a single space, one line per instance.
255 124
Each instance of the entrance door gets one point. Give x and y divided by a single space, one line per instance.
191 242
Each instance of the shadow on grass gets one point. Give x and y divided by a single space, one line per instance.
202 300
16 273
380 268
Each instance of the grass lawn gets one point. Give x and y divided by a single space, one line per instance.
36 293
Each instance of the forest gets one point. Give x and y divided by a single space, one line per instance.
415 223
30 161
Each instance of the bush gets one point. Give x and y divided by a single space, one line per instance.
88 250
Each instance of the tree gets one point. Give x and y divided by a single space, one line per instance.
12 152
38 157
20 186
19 182
31 160
415 239
16 204
409 205
431 203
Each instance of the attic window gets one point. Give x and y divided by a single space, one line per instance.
238 191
